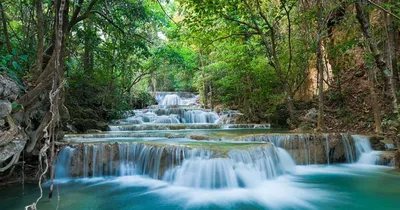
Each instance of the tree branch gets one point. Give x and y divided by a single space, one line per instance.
76 19
383 9
165 12
107 19
238 21
230 35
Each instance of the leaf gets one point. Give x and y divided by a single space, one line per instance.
15 105
17 66
24 57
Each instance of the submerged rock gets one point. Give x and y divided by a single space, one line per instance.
199 137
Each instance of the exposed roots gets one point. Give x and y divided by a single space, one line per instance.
42 154
8 136
13 161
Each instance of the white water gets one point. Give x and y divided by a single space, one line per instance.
364 151
63 162
182 166
199 116
172 109
171 100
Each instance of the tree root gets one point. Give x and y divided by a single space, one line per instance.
8 136
11 163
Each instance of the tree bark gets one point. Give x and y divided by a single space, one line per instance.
392 42
363 19
40 37
203 75
374 101
320 68
88 48
5 31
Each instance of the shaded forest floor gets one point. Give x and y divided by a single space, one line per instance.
349 109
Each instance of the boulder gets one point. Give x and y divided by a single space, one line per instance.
311 115
5 108
8 88
199 137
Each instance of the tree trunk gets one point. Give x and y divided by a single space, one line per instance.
289 103
55 93
5 31
40 37
392 30
88 51
211 97
374 101
203 75
363 19
320 68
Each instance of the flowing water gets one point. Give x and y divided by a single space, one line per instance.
179 156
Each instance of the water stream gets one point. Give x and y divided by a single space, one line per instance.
179 156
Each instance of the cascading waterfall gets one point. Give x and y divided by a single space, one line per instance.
63 162
326 148
313 148
364 151
199 116
166 120
182 166
174 108
348 149
242 168
171 100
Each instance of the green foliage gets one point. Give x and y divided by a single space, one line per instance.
11 66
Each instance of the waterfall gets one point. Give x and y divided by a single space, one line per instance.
348 149
312 148
364 151
63 162
199 116
166 120
171 100
179 165
242 168
124 159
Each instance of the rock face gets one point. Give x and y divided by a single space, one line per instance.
121 159
312 148
92 160
309 120
8 89
14 139
5 108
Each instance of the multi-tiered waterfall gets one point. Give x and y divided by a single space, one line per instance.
180 143
176 155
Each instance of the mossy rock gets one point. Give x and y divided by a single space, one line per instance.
177 127
199 137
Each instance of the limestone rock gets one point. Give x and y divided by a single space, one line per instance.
93 131
13 147
199 137
5 108
311 115
8 89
